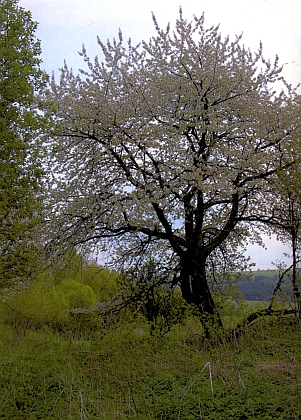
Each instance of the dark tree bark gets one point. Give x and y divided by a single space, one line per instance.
295 227
196 291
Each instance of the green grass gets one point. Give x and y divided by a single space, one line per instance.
129 374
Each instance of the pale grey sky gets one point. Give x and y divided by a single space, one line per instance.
64 25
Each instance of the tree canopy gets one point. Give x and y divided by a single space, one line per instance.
21 83
169 148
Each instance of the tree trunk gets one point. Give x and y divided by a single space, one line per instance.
196 291
296 290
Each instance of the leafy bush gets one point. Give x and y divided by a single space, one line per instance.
42 304
104 283
37 306
77 295
148 293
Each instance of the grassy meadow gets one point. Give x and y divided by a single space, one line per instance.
130 372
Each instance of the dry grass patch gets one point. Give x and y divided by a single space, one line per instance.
280 367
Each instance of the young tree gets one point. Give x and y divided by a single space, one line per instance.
285 221
21 83
168 146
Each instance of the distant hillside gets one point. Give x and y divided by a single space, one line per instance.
260 285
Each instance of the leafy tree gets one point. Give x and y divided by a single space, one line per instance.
21 86
70 265
167 148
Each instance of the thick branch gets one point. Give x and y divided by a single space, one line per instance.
228 228
168 229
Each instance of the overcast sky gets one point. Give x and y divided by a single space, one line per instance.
64 25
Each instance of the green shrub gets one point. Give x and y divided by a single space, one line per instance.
37 306
148 293
42 304
77 294
104 283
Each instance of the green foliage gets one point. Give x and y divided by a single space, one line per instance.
147 292
70 265
78 295
36 307
73 265
64 298
42 305
22 84
105 283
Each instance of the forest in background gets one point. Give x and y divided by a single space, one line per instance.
259 285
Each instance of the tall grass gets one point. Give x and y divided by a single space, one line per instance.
130 374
